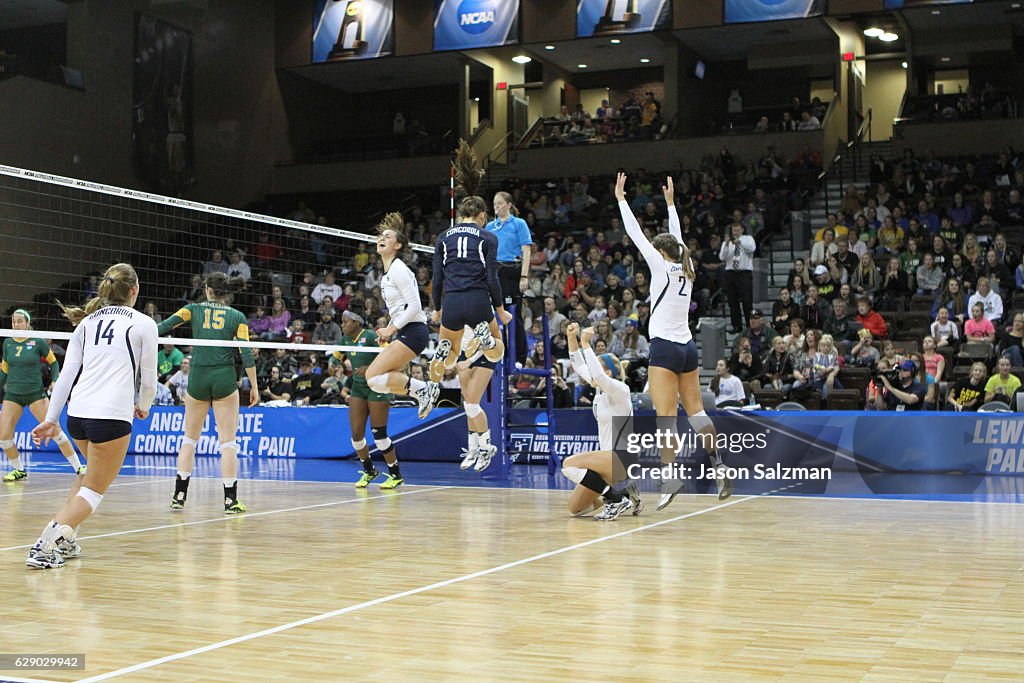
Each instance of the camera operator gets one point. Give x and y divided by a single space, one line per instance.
907 394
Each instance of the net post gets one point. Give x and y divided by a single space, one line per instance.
554 460
495 406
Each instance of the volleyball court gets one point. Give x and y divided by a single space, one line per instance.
453 575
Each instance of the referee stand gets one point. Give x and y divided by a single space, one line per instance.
497 402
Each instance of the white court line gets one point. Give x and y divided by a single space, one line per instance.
878 499
404 594
247 515
65 489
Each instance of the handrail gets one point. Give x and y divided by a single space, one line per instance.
492 157
483 125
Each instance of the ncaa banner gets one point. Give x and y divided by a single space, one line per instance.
318 432
352 29
609 17
740 11
467 24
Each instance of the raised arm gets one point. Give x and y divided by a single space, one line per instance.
674 227
601 380
650 254
72 364
576 358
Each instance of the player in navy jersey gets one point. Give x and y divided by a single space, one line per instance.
466 291
673 370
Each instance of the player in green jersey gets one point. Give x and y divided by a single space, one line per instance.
21 382
365 402
212 381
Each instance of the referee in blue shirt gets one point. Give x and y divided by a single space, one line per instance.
514 245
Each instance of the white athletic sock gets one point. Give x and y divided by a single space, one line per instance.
485 439
474 441
228 483
184 475
75 462
416 384
16 464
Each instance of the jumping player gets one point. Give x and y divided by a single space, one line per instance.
407 327
595 472
22 376
466 292
364 402
673 371
112 352
475 373
213 381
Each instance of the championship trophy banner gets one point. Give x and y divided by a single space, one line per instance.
741 11
352 29
466 24
611 17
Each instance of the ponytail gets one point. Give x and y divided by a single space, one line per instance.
676 251
223 286
115 289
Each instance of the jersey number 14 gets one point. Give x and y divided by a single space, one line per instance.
105 330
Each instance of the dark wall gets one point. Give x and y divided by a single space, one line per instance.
40 49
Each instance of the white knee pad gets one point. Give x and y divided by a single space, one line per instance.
379 383
359 445
473 409
185 441
574 474
61 438
233 445
91 497
6 443
700 421
381 439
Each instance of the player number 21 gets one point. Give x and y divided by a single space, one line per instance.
217 322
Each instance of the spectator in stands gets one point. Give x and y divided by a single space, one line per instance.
150 310
828 288
803 365
278 388
934 362
1002 385
267 252
297 333
238 267
738 255
951 234
929 276
216 264
907 394
1018 275
747 365
942 255
778 367
870 319
327 288
944 331
840 326
327 332
864 353
890 237
306 313
759 334
285 361
999 276
307 385
952 300
784 310
1011 342
556 283
178 382
336 387
795 337
727 388
926 217
826 367
551 310
814 310
989 300
788 123
893 288
978 328
824 248
866 279
968 393
799 269
808 122
630 345
278 322
846 261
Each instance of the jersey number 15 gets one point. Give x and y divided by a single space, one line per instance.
214 321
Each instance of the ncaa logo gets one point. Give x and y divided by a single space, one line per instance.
476 16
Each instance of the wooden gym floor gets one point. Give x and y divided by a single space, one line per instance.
433 583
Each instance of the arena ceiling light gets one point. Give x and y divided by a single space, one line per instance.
644 60
521 59
549 47
873 32
581 66
614 41
904 65
888 37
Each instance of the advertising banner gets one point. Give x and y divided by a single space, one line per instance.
467 24
352 29
909 4
741 11
610 17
